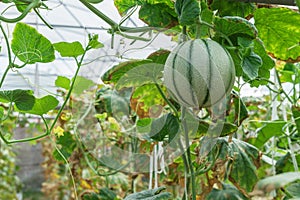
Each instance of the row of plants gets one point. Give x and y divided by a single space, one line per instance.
153 130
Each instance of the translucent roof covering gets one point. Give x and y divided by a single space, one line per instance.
72 21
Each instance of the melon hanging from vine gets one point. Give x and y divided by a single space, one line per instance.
199 73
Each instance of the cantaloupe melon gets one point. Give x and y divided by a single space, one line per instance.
199 73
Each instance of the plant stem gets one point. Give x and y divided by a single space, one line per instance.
9 55
187 171
167 100
188 153
115 26
281 88
32 5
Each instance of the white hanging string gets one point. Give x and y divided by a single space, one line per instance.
156 161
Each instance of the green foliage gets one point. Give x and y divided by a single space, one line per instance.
9 184
30 46
227 192
234 8
63 82
67 49
153 194
23 99
281 37
141 75
294 190
66 146
81 84
266 131
188 11
158 15
43 105
167 125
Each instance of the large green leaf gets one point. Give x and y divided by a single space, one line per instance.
277 181
268 130
234 27
43 105
228 192
81 84
243 170
23 99
279 30
30 46
153 194
294 190
141 75
63 82
124 5
149 96
251 65
167 125
267 63
158 15
159 56
116 72
111 102
67 49
67 146
230 7
240 110
188 11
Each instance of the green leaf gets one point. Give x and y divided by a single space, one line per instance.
188 11
116 72
234 27
294 189
153 194
268 130
243 170
1 112
94 43
67 146
226 128
287 74
81 84
228 192
107 194
21 6
111 102
240 110
159 56
158 15
163 126
67 49
124 5
23 99
30 46
207 16
296 116
43 105
230 7
275 182
150 97
279 30
251 65
141 75
267 63
63 82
